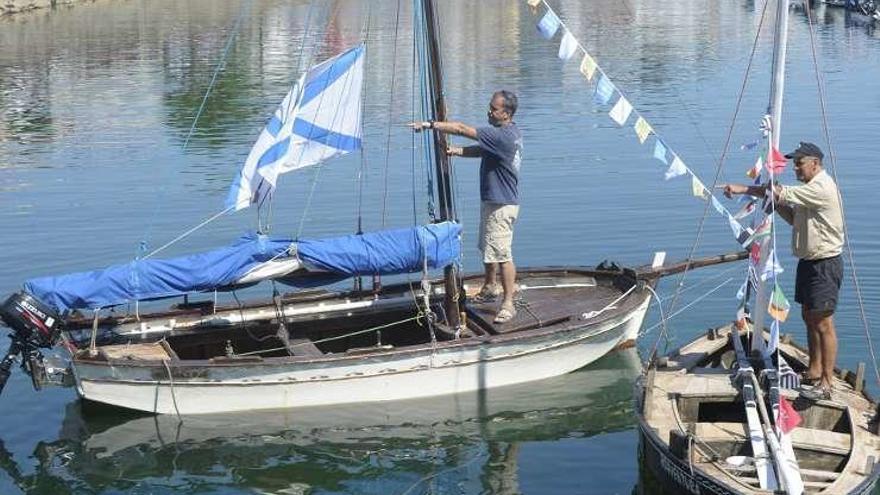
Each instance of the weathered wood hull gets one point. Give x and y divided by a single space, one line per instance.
446 367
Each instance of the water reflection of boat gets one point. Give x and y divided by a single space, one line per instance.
469 440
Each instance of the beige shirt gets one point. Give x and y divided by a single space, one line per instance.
814 212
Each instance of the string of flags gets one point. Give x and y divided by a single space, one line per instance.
754 237
622 112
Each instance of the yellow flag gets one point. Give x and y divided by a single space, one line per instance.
588 66
534 3
698 187
643 129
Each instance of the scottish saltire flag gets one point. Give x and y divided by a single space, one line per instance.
320 118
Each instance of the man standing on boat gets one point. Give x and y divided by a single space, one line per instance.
499 147
813 210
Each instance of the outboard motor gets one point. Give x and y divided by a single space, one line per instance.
34 326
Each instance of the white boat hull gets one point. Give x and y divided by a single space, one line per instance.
447 368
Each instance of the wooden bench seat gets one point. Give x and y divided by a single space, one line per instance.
829 442
155 351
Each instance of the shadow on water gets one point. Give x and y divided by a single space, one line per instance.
468 441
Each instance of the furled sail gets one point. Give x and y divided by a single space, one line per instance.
320 118
253 258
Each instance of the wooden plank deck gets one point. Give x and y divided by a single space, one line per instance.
536 307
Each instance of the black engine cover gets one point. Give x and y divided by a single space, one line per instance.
32 320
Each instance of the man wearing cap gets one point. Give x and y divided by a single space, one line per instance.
814 212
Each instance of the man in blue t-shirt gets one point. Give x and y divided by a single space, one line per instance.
499 146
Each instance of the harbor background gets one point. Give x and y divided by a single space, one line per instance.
96 103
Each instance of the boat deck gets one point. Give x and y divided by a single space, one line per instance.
539 305
836 447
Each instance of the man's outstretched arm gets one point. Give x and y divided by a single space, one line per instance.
465 151
456 128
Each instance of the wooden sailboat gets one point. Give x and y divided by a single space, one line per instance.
720 414
312 348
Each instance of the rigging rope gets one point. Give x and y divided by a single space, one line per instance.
338 337
390 109
158 204
739 100
320 165
362 171
833 156
683 308
300 68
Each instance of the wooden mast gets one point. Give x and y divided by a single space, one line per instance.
441 159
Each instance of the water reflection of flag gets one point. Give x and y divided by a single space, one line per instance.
320 118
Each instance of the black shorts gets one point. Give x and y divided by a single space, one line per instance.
818 283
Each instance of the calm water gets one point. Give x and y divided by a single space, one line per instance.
95 106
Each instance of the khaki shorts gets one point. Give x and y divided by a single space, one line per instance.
496 231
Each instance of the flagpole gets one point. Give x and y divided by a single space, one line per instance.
780 47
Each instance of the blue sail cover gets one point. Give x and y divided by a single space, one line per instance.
386 252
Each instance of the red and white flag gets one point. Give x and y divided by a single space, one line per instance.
777 161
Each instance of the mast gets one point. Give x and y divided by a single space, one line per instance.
780 45
441 159
774 109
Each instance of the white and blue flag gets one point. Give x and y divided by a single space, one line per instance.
320 118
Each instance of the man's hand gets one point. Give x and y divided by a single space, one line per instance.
454 151
732 189
420 126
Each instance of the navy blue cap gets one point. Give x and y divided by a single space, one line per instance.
806 149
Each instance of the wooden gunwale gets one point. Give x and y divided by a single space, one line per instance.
400 352
78 321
